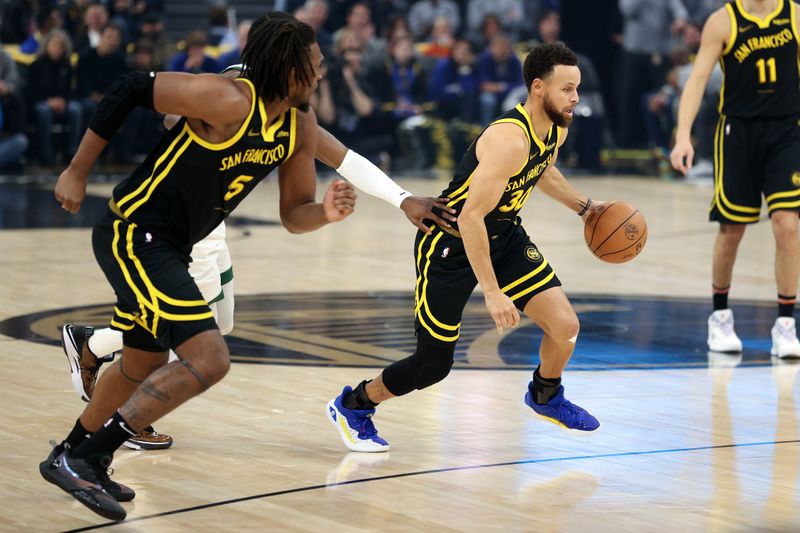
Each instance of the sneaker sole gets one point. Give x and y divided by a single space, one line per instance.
775 353
341 431
73 358
145 447
111 515
561 426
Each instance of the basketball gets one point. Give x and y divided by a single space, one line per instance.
617 234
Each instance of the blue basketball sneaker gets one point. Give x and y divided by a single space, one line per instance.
563 412
355 426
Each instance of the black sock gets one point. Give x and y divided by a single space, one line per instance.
358 398
720 297
544 388
786 305
107 439
77 435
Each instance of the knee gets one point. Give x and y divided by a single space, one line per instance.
784 227
565 326
430 364
731 234
217 367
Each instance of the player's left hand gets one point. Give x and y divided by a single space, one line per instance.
597 207
339 201
418 208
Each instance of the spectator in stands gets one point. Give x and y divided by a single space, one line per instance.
152 29
645 52
232 57
194 59
17 19
396 28
95 19
548 30
358 121
97 68
359 21
499 71
405 85
425 13
49 85
13 142
454 84
491 26
46 20
441 40
219 28
508 12
316 15
123 16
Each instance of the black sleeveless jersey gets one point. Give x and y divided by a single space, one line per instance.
760 64
519 186
187 185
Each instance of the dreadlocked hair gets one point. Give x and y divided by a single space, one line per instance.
276 44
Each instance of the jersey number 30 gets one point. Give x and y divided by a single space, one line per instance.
518 199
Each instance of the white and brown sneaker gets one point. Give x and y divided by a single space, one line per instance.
148 439
83 364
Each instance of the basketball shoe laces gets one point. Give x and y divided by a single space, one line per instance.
725 326
785 331
99 473
366 428
570 414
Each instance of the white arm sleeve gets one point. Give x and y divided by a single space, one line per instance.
356 169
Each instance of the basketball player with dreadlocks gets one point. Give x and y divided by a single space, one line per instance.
198 173
212 269
488 246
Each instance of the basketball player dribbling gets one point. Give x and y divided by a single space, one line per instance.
488 246
756 150
171 201
212 271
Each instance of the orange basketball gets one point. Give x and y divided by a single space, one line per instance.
617 234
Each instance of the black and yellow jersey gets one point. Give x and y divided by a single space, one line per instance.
760 64
187 185
519 186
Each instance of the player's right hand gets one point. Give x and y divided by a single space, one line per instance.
502 310
682 156
418 208
70 190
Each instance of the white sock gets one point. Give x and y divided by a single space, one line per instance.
105 342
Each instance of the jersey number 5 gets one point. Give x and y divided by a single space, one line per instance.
518 199
766 70
237 186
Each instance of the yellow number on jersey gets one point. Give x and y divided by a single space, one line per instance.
518 199
766 70
236 186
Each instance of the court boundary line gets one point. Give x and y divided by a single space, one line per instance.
422 473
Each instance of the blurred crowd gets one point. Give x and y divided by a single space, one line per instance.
409 83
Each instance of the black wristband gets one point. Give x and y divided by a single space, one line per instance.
585 207
126 92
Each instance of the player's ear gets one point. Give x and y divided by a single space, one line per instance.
537 87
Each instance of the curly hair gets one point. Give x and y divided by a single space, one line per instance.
276 44
543 59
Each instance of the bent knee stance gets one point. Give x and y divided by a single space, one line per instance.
430 364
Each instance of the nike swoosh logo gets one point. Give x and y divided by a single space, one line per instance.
743 29
226 211
251 133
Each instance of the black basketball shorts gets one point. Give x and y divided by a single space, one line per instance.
755 158
158 303
445 279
